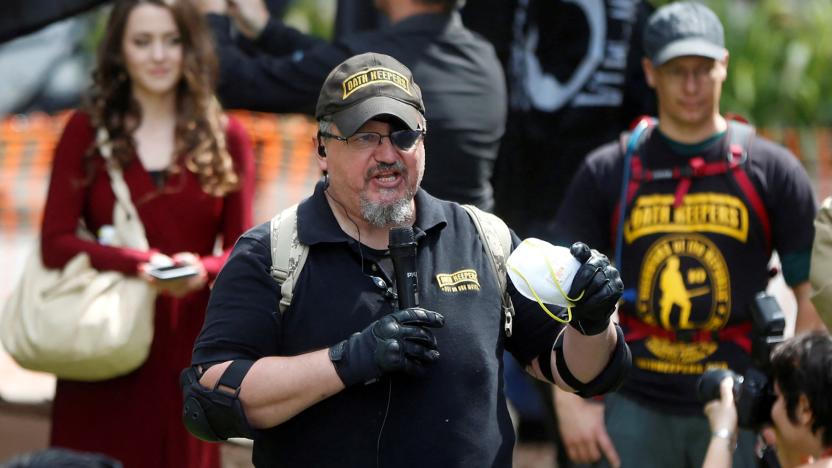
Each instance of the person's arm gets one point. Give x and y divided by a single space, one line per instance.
278 39
582 429
66 200
281 84
594 361
807 316
269 34
241 324
722 419
277 388
585 218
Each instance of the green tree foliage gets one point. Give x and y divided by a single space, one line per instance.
312 16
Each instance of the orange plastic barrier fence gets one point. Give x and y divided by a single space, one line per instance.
286 168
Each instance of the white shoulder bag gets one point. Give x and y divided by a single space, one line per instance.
80 323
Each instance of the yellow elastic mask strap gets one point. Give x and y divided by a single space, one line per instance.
540 302
570 301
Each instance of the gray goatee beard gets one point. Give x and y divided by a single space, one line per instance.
397 213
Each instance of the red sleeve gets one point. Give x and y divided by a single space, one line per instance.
65 202
237 215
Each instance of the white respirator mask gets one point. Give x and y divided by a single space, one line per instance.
543 272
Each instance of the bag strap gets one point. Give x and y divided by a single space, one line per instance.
125 214
288 253
497 243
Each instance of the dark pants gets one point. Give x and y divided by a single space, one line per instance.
646 438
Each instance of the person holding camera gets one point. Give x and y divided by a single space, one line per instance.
801 414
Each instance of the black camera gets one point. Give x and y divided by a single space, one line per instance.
753 391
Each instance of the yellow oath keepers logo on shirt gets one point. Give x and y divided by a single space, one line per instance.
462 280
374 76
699 212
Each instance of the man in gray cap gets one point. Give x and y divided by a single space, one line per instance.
704 203
345 372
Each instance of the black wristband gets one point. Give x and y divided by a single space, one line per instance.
590 327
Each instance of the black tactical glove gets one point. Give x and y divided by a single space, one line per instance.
398 342
601 286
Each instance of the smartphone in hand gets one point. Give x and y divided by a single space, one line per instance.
173 272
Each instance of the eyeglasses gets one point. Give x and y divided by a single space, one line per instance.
699 74
404 140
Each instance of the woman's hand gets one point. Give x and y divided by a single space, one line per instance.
175 287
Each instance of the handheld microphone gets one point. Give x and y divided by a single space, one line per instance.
402 246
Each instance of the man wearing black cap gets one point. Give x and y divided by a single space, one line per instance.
462 80
705 202
343 376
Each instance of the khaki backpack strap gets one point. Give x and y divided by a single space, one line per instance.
497 242
288 253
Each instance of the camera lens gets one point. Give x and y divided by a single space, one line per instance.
708 387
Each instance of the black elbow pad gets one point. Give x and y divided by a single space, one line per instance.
216 414
609 380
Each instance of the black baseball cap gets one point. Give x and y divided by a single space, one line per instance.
683 28
368 85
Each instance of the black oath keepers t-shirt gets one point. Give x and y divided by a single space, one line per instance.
695 266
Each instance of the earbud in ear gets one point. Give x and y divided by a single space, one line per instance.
321 151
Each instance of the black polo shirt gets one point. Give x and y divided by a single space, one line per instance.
454 416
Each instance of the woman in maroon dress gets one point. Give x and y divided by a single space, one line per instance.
190 173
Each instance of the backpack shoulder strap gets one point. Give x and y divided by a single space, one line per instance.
739 139
497 242
288 253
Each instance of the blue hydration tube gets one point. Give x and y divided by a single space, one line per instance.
632 143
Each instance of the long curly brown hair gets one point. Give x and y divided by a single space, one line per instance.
199 134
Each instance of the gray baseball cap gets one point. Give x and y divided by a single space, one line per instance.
368 85
683 28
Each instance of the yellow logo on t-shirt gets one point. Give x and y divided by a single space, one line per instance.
684 284
699 212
